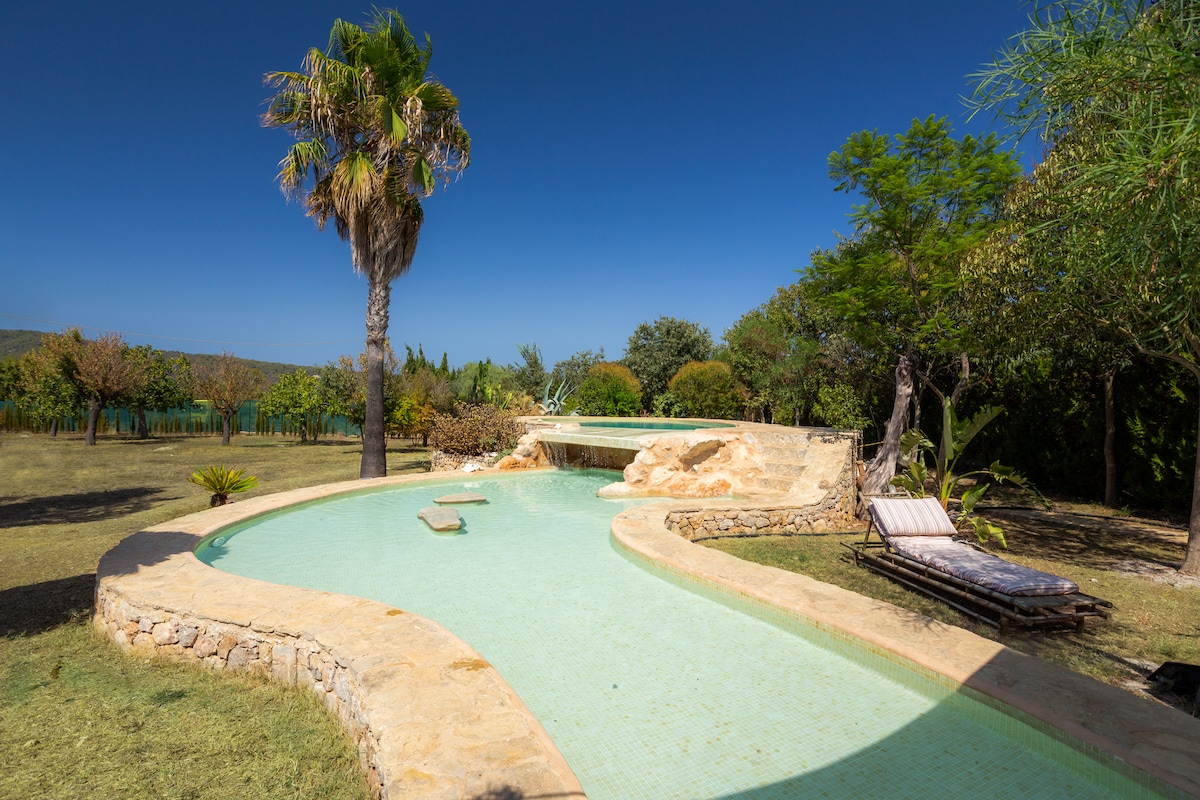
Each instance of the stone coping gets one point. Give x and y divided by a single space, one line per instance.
432 719
1156 739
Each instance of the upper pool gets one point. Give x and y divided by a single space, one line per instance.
650 690
651 424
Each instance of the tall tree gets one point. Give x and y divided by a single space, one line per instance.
296 397
227 384
49 388
655 352
1114 88
928 198
376 134
165 384
106 373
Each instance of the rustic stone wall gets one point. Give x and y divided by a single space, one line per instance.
223 646
835 511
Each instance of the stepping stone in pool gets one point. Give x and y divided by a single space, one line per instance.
441 519
460 498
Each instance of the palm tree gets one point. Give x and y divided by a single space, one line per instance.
374 135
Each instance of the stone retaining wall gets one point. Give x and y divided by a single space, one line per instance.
835 511
222 646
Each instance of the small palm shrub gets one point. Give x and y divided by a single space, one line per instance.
222 481
472 430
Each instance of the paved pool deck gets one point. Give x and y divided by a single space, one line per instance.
432 719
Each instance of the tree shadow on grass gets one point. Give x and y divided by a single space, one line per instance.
38 607
78 507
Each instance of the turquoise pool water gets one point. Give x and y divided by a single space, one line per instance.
651 690
651 425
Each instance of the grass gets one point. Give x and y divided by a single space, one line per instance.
1153 622
79 718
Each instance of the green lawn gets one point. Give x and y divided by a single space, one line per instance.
78 718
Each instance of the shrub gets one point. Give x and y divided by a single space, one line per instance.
472 430
610 390
222 481
707 389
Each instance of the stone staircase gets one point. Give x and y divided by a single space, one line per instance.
793 460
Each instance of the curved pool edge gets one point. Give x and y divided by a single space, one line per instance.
429 716
1160 741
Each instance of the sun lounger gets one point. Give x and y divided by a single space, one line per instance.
915 548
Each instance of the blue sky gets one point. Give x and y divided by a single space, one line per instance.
629 160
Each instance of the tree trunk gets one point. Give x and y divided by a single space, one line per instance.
883 468
1191 560
143 429
303 431
53 428
374 455
93 419
226 426
1110 441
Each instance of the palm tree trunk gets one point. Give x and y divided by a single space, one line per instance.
374 455
93 419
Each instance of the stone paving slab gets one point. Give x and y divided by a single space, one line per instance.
460 498
441 519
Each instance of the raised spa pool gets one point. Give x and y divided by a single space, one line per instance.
651 690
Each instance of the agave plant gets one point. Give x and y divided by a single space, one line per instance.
552 405
222 481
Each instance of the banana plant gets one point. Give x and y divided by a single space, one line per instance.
956 435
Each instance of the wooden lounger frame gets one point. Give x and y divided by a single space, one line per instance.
984 604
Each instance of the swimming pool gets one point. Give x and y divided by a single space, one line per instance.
648 689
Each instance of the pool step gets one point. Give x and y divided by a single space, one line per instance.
784 469
773 483
777 452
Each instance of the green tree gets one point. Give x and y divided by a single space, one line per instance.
655 352
530 374
49 389
1114 89
898 284
226 384
573 371
106 374
610 390
707 389
296 397
375 134
165 384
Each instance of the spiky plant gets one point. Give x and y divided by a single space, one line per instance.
222 481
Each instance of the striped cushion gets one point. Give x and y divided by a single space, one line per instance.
910 517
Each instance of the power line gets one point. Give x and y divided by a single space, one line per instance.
177 338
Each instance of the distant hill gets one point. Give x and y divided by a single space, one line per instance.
15 343
18 343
